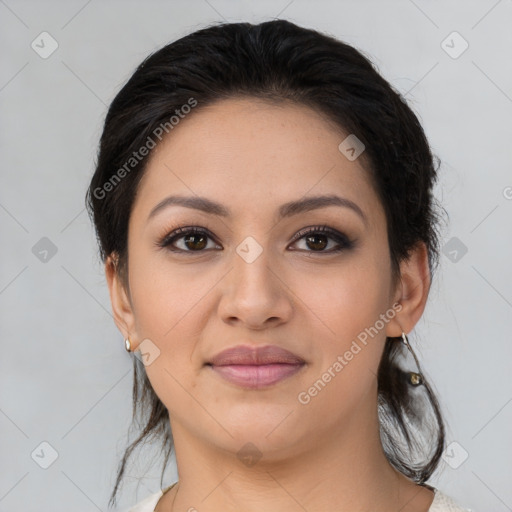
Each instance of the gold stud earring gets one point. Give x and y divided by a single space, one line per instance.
128 345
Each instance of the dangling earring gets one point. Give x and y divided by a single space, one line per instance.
415 379
127 345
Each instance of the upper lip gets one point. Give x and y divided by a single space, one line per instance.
247 355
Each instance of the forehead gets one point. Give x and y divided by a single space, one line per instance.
254 153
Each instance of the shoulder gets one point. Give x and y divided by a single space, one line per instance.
444 503
148 504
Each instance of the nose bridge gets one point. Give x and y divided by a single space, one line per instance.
254 293
251 266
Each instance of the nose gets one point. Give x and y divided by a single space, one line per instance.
254 295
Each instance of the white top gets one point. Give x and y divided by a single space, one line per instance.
441 503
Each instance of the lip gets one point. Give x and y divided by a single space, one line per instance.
256 367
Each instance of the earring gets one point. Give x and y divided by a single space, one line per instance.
415 379
127 345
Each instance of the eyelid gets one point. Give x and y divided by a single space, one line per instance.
319 229
180 231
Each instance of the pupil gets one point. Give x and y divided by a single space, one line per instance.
316 245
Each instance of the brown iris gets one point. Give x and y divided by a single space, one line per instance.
316 241
199 239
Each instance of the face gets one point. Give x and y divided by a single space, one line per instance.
264 267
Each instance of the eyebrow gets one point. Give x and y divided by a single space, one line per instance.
286 210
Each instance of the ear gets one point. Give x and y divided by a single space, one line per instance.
412 291
121 304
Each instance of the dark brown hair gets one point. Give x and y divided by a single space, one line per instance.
280 61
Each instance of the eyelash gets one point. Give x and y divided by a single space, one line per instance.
342 240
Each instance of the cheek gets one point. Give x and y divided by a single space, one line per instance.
343 308
169 311
345 299
165 296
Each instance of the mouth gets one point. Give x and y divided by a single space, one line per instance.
256 376
256 367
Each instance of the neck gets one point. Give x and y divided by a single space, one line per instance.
344 470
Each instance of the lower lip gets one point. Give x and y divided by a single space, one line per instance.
256 376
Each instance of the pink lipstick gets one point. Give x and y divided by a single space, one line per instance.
256 367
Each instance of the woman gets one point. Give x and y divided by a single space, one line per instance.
263 205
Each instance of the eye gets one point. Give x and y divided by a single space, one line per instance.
318 238
193 239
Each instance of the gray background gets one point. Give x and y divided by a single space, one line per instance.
65 377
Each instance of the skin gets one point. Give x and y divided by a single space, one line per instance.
252 156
